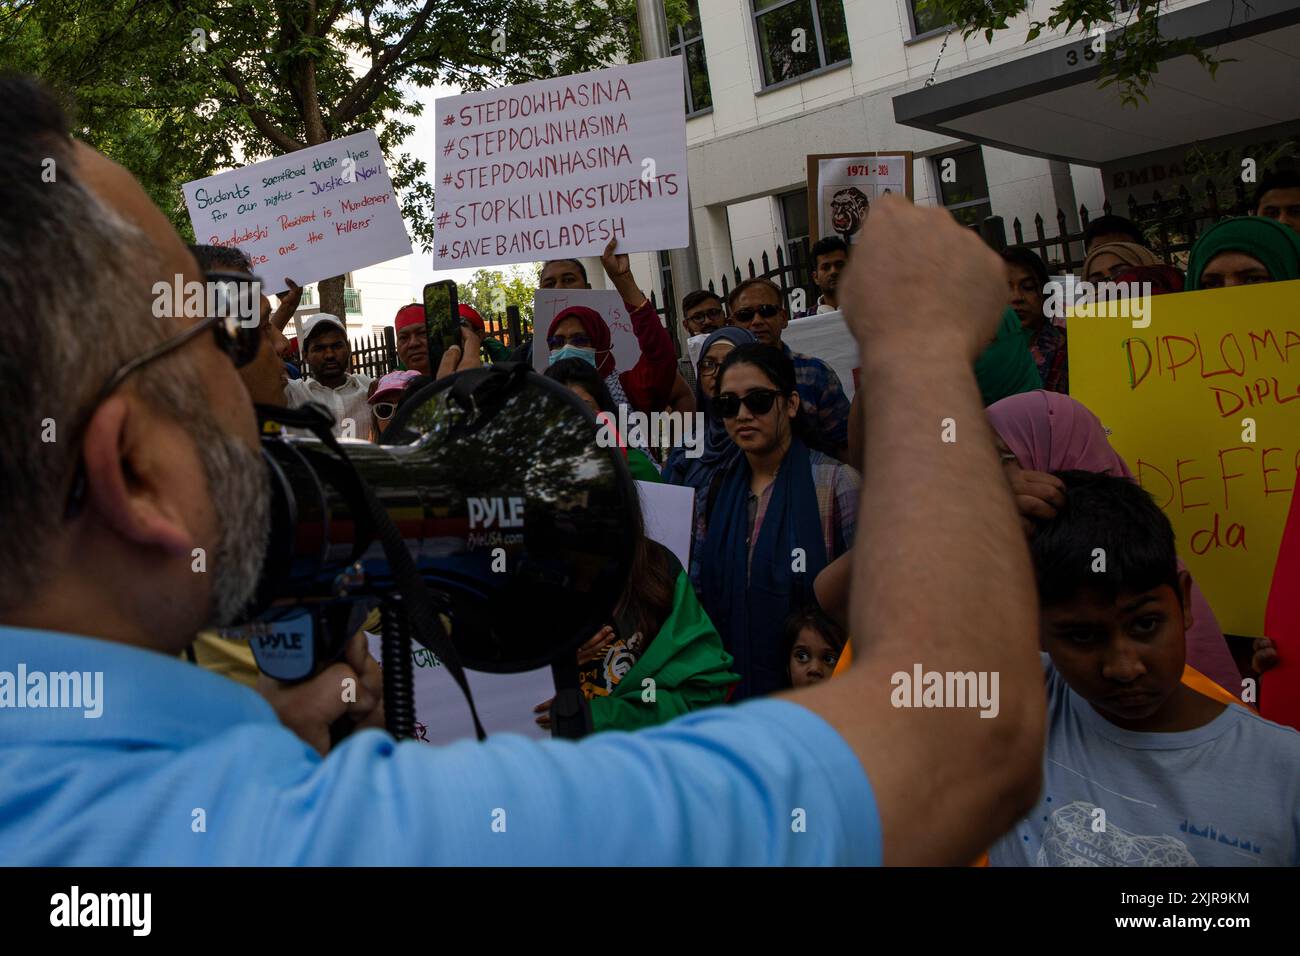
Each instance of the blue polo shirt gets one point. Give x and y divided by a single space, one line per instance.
185 767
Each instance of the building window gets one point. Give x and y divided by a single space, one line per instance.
794 216
799 36
926 17
689 41
967 195
666 282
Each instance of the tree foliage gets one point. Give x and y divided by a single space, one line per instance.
490 291
1130 58
178 89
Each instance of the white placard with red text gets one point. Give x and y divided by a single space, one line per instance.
306 216
554 169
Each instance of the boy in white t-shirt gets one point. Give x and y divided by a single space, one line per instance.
1139 768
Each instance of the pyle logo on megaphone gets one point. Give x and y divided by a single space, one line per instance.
496 512
280 642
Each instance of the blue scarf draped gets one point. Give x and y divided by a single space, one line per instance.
719 450
750 615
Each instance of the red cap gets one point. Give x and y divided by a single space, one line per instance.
412 314
470 315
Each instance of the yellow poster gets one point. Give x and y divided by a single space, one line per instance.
1202 398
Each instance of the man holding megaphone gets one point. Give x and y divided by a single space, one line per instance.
103 529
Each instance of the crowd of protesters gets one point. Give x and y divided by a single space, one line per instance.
1143 693
777 484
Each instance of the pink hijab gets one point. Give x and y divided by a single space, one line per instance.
1052 432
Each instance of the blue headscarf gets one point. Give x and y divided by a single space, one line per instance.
719 449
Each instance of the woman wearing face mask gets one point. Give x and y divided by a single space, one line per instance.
1039 433
719 450
580 332
584 381
771 521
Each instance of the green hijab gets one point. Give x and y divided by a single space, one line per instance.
1275 245
1007 367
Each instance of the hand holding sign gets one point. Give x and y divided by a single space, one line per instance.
619 269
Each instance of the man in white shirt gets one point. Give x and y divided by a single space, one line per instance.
326 350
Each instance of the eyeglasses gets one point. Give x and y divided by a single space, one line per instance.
759 401
714 313
384 410
560 341
746 315
580 340
236 335
709 364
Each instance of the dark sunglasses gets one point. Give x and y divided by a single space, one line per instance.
759 401
746 315
559 341
384 410
237 335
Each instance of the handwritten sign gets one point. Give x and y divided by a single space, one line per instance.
548 303
309 215
1204 404
557 168
842 186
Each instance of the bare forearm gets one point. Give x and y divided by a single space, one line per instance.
943 570
941 578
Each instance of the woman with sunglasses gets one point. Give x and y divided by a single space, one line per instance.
719 450
772 520
386 395
579 332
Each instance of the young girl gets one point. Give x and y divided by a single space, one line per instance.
814 643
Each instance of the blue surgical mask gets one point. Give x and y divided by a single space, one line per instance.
572 351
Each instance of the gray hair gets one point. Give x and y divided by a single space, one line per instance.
73 277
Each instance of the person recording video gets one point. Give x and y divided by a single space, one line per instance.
153 463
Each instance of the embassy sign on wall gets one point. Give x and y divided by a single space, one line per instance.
557 168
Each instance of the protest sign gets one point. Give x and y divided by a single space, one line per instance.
1202 404
825 336
669 515
309 215
557 168
842 186
505 701
548 303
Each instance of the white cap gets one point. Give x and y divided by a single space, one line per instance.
314 322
